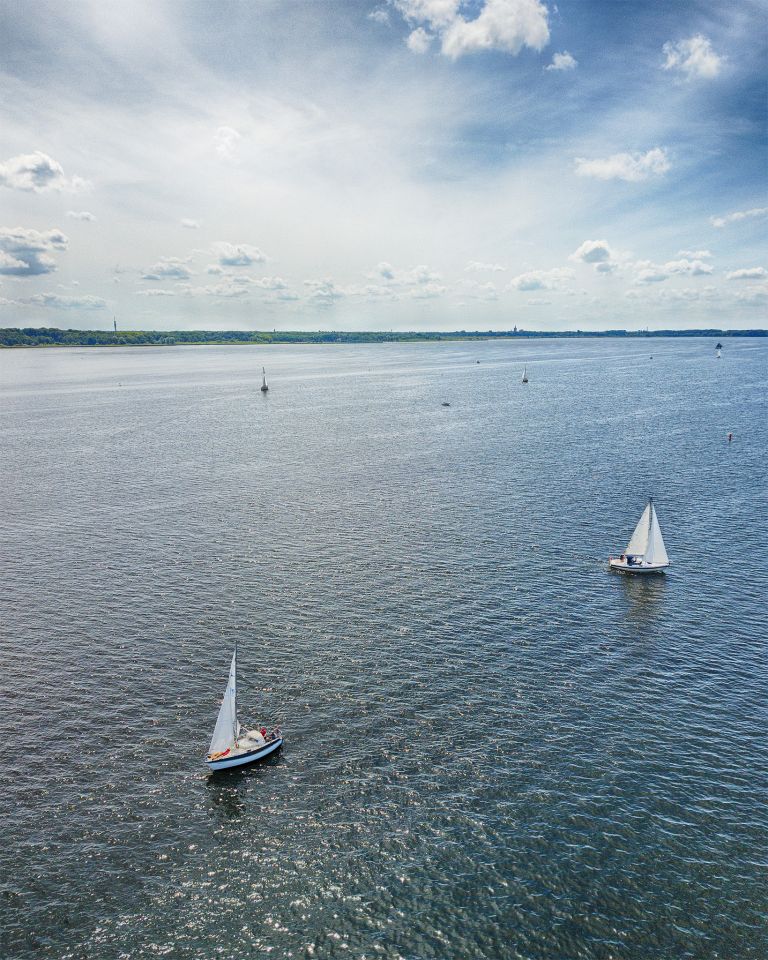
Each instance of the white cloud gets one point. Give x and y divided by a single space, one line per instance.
541 279
694 254
190 224
562 61
507 25
225 291
26 253
477 290
632 167
747 273
265 283
37 172
156 292
426 291
238 254
83 215
477 266
755 295
537 302
57 302
168 267
648 272
418 41
379 15
214 268
324 293
694 268
693 57
652 274
593 251
437 13
421 274
385 270
738 215
225 142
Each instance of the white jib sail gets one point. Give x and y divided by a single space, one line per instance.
639 542
226 729
655 552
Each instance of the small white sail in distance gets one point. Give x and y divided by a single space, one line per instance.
646 541
227 728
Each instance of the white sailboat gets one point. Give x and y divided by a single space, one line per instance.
525 374
645 551
230 746
264 386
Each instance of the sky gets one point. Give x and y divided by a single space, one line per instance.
383 164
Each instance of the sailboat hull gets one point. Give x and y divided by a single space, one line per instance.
241 759
624 567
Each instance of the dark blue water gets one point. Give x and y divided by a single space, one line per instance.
494 746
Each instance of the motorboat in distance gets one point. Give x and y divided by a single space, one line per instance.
645 551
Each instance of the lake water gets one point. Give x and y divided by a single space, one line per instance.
495 748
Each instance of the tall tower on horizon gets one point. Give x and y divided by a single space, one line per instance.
114 323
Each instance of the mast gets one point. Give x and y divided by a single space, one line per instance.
650 523
234 698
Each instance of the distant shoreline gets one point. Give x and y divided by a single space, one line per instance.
15 337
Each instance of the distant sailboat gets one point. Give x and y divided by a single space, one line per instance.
525 375
264 386
645 552
230 747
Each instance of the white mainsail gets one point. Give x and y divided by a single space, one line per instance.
638 543
227 728
655 552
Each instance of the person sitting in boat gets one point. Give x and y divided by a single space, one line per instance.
630 560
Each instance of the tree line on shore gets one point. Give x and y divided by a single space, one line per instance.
53 336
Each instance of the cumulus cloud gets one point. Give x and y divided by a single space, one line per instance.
379 15
418 40
477 266
694 254
648 272
747 273
427 291
226 291
694 268
385 271
693 57
225 142
541 279
632 167
420 274
738 215
168 268
507 25
190 224
37 172
323 293
83 215
477 290
26 253
57 302
156 292
756 295
562 61
593 251
238 254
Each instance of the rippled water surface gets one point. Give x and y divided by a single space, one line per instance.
494 747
